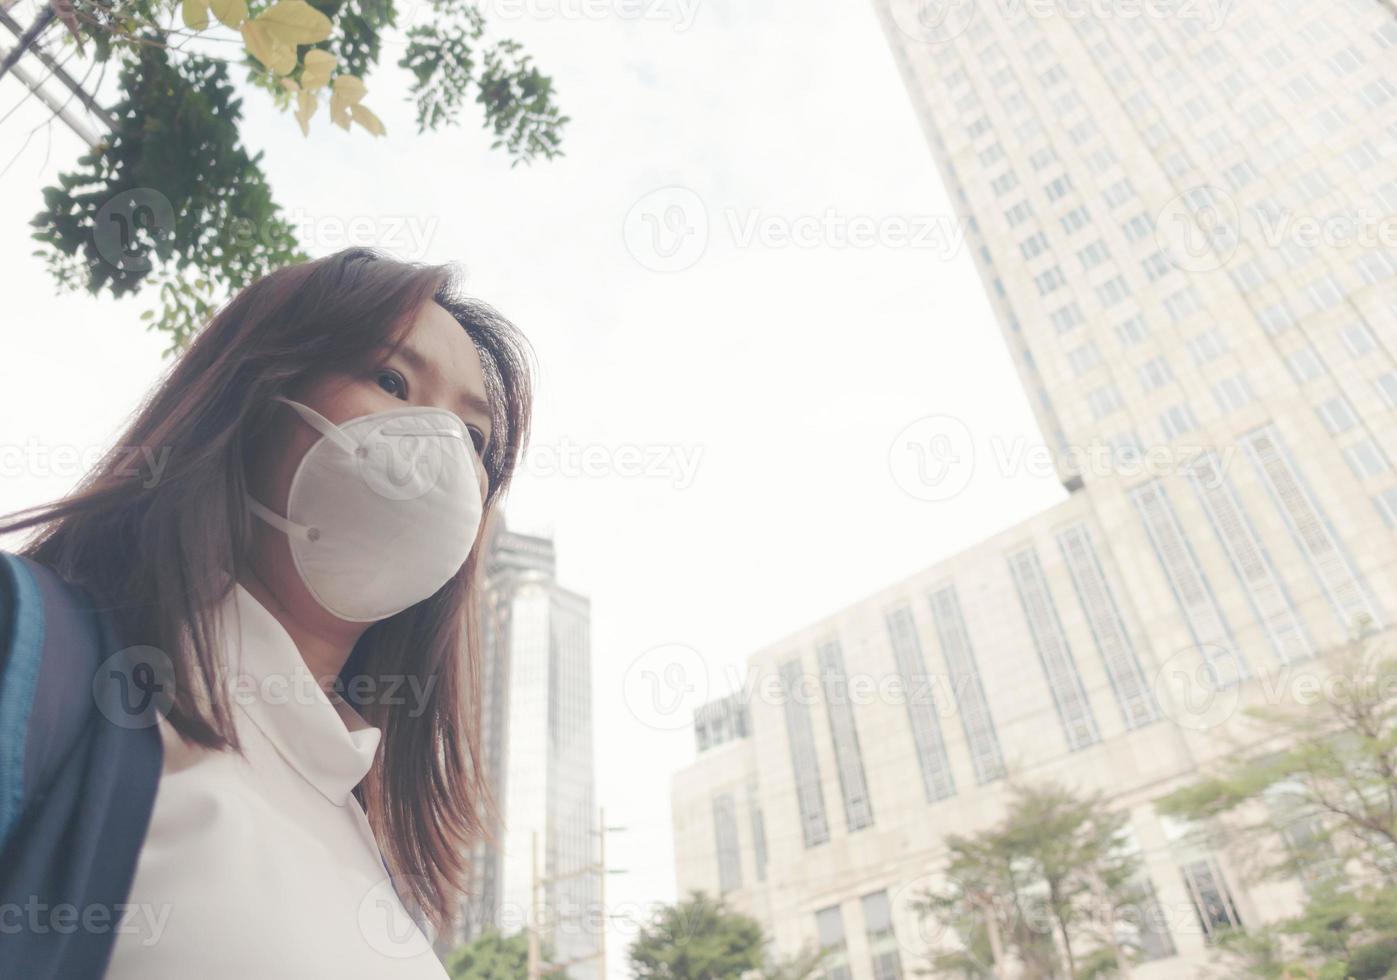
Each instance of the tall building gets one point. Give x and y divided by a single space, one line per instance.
537 745
1184 215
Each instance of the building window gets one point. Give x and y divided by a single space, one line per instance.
1083 359
1207 346
964 674
1233 393
1132 691
1177 420
754 810
1103 401
858 809
1132 331
1211 636
1304 365
1181 304
800 733
720 721
882 942
1034 246
1387 506
1155 373
1075 220
1093 255
725 836
1212 900
1112 291
1387 387
1065 318
1119 192
1157 265
1276 318
1365 459
1337 415
1058 188
1358 339
1004 183
1249 558
921 707
829 929
1054 654
1049 280
1150 935
1311 530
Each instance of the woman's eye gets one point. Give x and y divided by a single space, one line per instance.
478 438
393 383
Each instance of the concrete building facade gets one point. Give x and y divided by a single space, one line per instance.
1184 219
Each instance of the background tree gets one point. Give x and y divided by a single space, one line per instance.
1317 801
701 938
490 956
1042 888
169 199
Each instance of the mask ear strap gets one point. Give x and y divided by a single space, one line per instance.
290 528
321 424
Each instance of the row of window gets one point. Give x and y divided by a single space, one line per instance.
1111 636
883 952
1146 929
1256 573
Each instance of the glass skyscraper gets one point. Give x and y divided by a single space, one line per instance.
537 744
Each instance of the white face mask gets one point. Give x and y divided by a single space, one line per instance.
383 510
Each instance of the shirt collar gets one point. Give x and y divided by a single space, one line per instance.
332 747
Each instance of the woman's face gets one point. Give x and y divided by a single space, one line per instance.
436 366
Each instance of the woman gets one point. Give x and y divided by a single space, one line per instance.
291 603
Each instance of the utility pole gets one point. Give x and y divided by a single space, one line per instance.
533 907
537 968
601 886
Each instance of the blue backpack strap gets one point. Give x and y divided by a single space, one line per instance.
77 779
21 651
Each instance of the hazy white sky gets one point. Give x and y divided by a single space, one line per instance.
717 407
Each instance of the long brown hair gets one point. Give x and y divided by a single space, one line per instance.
158 553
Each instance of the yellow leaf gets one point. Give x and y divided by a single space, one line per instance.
294 22
230 12
290 85
349 89
278 57
318 65
196 14
346 92
367 119
306 103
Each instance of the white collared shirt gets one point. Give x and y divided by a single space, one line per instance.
263 865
